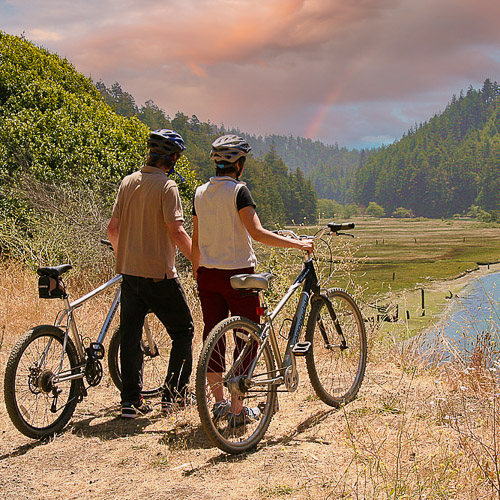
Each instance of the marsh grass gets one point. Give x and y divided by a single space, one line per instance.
404 253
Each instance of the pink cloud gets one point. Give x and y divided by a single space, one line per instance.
279 63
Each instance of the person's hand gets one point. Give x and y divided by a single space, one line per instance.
307 246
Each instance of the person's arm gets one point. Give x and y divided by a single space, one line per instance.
251 221
113 232
195 251
180 237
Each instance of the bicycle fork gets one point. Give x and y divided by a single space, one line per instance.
328 345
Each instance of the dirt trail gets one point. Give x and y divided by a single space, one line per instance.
307 452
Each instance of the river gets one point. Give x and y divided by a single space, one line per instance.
473 316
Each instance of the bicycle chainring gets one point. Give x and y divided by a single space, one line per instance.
93 372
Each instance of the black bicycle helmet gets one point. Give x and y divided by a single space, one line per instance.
229 148
165 142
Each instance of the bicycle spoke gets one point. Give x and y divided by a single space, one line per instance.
38 404
337 360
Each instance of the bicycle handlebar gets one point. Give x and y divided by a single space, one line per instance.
333 227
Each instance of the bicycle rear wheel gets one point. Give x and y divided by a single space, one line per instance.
37 403
226 357
336 362
156 357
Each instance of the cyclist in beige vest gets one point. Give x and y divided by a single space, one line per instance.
224 224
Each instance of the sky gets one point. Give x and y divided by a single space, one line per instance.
357 73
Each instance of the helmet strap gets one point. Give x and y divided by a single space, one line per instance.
173 171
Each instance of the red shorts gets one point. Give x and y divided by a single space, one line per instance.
218 299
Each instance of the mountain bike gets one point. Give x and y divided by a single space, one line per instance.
242 359
51 367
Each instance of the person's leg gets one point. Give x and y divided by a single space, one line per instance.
132 313
214 309
168 301
243 304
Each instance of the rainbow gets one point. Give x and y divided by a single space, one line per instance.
332 97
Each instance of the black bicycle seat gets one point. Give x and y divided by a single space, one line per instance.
53 272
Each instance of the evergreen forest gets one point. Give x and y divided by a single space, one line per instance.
283 193
444 167
449 165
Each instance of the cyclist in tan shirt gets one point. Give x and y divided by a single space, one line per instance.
145 230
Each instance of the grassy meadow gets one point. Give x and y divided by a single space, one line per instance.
396 259
399 254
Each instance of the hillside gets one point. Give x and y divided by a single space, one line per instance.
439 168
63 151
443 166
331 169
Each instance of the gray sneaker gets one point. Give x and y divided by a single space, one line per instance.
221 409
247 416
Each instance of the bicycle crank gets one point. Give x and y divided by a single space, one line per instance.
93 372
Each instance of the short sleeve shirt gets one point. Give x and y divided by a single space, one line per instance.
243 199
146 202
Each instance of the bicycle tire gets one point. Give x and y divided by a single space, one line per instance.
155 365
28 382
226 437
336 373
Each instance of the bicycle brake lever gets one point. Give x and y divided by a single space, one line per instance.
345 234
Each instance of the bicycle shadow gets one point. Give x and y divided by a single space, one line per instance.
304 426
307 424
25 448
113 428
182 436
110 429
221 458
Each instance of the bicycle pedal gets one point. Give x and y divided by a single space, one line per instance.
97 350
301 348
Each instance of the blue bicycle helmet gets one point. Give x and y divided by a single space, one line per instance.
229 148
165 142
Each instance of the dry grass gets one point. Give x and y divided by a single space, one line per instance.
416 431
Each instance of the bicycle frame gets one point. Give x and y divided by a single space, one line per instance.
72 328
309 282
67 313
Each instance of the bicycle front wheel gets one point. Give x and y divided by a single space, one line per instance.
336 362
222 375
38 403
155 345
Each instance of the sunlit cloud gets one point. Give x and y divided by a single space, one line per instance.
40 35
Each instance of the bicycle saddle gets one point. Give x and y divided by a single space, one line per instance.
258 281
53 272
